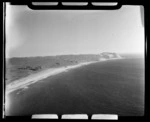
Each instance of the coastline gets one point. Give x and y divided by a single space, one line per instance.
97 84
25 82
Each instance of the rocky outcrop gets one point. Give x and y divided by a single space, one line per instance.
108 56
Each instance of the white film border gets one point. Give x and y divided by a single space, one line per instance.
75 3
105 116
76 116
45 116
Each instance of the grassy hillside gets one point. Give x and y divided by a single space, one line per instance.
17 68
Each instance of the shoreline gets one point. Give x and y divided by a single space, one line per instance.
72 87
26 81
23 83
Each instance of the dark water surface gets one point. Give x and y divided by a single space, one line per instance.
112 87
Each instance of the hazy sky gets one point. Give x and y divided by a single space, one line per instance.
39 33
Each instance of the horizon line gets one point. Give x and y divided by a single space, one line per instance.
70 54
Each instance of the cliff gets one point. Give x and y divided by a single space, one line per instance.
108 56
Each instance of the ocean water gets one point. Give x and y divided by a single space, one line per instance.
109 87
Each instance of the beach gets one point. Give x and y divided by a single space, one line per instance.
25 82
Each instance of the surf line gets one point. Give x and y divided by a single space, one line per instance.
24 82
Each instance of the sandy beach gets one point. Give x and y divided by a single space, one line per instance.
25 82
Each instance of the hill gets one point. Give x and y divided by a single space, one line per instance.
19 67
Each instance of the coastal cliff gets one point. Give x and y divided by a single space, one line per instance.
108 56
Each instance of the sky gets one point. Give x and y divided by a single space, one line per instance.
60 32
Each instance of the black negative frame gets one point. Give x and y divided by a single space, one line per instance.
88 7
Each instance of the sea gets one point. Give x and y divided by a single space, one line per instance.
108 87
